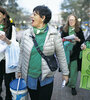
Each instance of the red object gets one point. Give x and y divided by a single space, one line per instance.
66 40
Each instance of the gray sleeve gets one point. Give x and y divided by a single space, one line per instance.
61 54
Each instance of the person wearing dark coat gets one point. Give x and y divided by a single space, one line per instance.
75 40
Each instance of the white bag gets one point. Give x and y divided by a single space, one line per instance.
3 45
12 57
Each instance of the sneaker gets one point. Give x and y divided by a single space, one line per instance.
1 98
74 92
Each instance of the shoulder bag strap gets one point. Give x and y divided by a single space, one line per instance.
37 48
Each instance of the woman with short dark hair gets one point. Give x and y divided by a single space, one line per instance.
33 67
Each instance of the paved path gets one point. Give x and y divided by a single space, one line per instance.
64 93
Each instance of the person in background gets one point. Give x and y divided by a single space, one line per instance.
72 29
86 44
61 29
32 67
10 34
87 32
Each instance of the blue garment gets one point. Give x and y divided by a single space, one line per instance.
32 82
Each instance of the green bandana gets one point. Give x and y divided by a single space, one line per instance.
71 30
1 27
38 31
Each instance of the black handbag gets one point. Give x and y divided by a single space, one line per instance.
51 60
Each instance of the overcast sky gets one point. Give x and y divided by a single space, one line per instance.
28 5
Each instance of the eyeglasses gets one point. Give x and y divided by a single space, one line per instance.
71 20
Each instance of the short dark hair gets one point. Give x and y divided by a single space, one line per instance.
43 10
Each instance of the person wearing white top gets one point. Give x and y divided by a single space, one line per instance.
3 45
9 35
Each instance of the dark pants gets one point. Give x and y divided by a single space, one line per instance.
7 78
42 93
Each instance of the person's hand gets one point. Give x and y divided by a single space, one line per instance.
65 77
83 46
77 39
3 37
19 75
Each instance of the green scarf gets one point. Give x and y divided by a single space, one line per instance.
39 31
1 27
71 30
